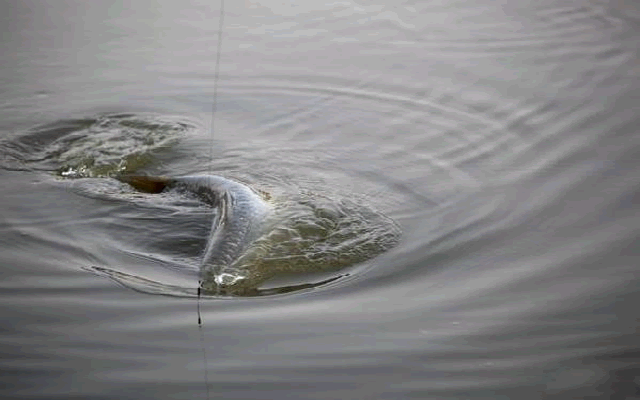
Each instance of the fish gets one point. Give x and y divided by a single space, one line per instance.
256 237
241 217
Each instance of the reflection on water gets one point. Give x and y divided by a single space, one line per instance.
500 137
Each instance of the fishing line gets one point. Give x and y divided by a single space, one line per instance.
198 307
216 75
204 349
214 108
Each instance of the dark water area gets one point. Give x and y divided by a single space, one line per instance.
500 138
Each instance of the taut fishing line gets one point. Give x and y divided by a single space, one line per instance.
214 108
213 117
216 75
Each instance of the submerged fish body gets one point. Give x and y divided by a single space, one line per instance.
253 240
241 218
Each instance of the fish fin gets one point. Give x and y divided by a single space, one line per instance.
148 184
140 284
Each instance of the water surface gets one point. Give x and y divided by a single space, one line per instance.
501 139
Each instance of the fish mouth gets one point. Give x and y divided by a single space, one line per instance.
226 283
225 279
232 284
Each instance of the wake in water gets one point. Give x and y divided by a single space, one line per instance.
103 146
254 236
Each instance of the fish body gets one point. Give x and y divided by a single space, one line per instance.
254 238
240 220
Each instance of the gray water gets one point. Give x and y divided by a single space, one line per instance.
501 137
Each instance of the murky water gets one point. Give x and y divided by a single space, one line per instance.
499 139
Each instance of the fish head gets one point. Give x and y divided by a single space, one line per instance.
228 284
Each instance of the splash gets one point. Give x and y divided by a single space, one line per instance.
103 146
